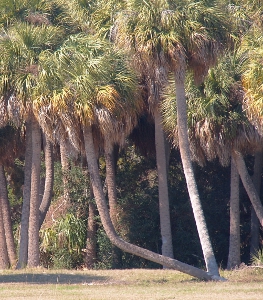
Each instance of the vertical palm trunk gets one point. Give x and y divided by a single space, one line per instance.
33 228
108 226
23 243
208 253
234 237
10 242
65 167
112 196
254 242
91 253
49 180
4 262
164 209
248 185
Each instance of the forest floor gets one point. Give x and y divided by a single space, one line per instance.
142 284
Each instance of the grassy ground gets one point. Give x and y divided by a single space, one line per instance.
127 285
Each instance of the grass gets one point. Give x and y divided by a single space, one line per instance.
41 284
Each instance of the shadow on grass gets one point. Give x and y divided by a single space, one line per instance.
44 278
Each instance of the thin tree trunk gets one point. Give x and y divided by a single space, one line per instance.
4 262
23 244
234 238
91 253
10 241
33 228
184 147
248 185
49 180
109 229
65 168
254 242
164 208
112 196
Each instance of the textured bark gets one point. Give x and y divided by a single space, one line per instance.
65 168
234 237
10 242
112 196
248 185
108 226
91 253
164 208
49 181
4 262
254 226
208 253
33 227
23 244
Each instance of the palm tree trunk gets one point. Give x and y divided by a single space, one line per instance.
33 228
91 253
65 167
234 238
23 244
208 253
10 242
4 262
164 208
108 226
112 196
254 242
49 180
248 185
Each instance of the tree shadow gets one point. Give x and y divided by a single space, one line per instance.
59 278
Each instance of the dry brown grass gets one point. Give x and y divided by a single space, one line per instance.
246 283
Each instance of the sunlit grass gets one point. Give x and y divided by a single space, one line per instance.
246 283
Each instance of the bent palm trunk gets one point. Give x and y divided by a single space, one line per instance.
254 243
49 181
108 226
248 185
112 196
184 147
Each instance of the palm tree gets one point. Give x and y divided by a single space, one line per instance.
185 37
217 127
21 49
254 225
92 85
252 83
153 69
94 78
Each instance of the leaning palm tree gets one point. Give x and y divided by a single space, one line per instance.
218 128
92 85
168 39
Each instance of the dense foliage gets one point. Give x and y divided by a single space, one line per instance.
69 68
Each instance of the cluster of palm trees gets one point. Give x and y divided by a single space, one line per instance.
81 73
